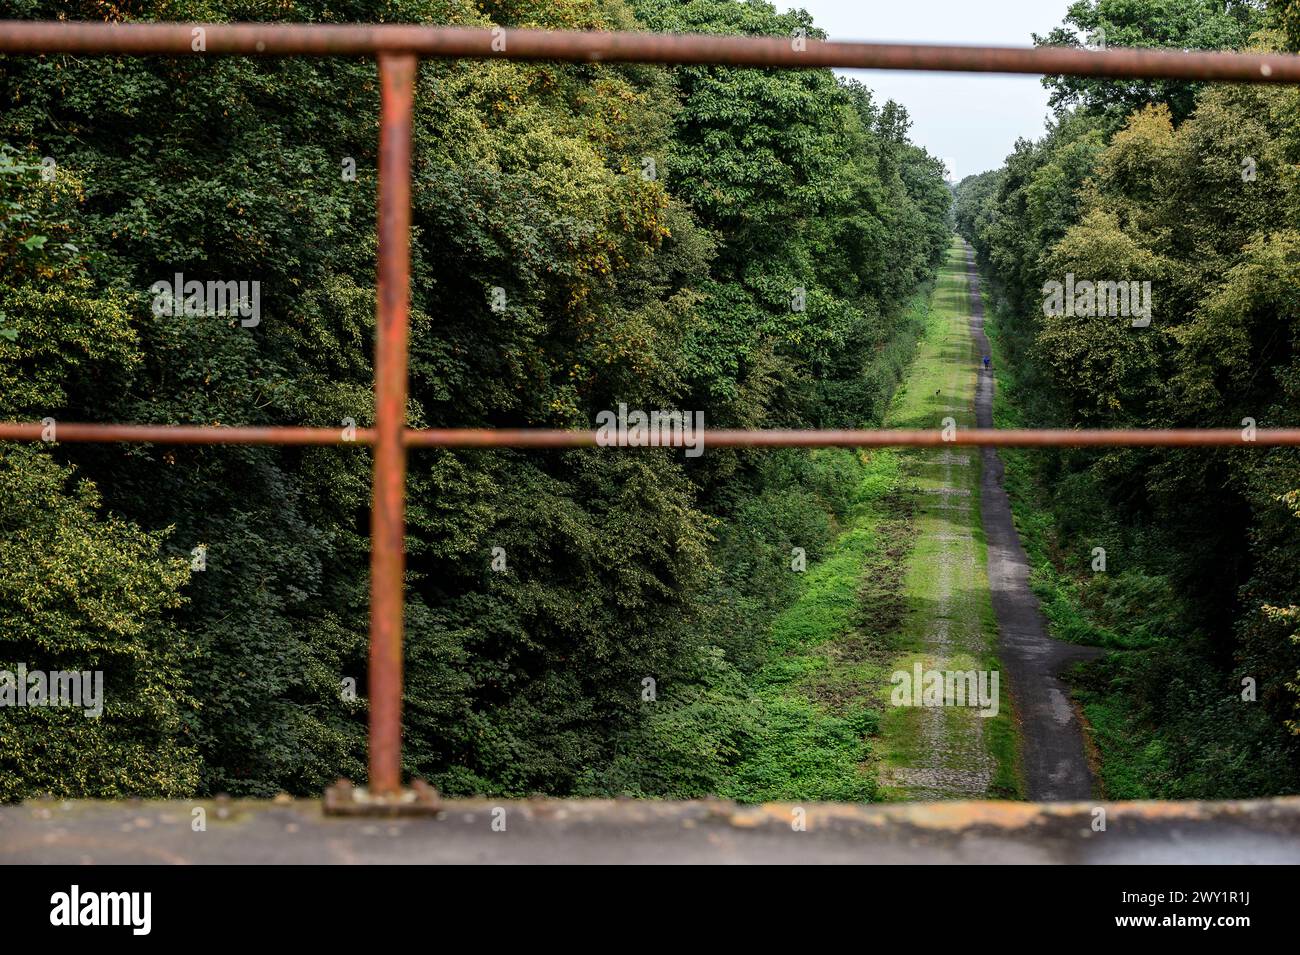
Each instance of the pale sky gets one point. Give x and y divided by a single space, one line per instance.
969 120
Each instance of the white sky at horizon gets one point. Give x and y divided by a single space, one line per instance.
971 121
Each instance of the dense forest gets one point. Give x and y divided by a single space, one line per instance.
1193 188
741 242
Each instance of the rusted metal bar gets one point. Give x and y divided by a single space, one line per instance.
181 434
387 529
716 438
283 39
994 437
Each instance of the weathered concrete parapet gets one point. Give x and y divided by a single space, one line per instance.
558 830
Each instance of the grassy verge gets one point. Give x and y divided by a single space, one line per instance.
825 726
792 702
950 624
815 706
817 690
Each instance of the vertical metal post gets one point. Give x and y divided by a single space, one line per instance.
387 521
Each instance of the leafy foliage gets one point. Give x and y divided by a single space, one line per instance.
670 290
1182 24
1195 191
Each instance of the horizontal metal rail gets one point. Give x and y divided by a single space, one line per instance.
289 39
715 438
179 434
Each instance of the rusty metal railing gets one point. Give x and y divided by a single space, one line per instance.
398 49
284 39
714 438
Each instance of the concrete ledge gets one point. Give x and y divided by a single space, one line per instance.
589 831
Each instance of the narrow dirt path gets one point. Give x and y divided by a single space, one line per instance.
1052 749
